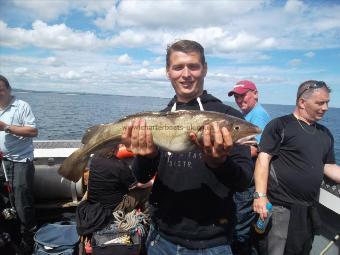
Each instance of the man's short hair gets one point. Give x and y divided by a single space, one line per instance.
3 78
185 46
307 88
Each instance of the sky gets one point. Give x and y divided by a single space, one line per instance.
118 47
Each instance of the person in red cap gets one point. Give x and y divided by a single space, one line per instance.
246 97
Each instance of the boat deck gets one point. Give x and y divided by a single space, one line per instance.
56 150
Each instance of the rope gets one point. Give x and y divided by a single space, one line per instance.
132 221
173 108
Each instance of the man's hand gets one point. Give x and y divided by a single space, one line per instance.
2 125
25 131
332 171
138 139
260 207
217 143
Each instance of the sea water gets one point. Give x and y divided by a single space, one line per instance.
66 116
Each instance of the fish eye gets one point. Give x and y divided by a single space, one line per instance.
237 128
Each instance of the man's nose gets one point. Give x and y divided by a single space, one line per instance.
325 107
186 72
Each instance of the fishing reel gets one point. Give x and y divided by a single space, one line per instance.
9 213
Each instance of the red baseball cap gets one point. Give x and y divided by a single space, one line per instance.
242 87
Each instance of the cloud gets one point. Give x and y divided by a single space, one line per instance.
110 20
145 63
70 75
156 14
226 26
130 38
53 61
294 6
150 74
98 73
82 72
309 54
124 60
45 10
245 56
247 31
48 10
246 41
52 37
61 37
240 24
93 7
20 70
294 62
328 23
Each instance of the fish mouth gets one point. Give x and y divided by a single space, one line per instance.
247 140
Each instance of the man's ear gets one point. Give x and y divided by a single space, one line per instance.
205 67
256 95
301 103
167 73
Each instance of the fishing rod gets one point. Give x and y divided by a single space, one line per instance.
336 238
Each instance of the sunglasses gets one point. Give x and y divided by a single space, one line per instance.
316 85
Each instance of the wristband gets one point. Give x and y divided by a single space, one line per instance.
7 129
259 194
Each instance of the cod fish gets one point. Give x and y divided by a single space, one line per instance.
170 132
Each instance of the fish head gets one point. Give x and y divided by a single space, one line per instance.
241 131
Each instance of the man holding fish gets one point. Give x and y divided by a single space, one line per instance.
192 209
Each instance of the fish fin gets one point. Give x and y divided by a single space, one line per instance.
72 167
89 133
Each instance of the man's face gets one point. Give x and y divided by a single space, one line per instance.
316 105
186 74
247 101
5 93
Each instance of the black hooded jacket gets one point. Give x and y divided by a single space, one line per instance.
191 203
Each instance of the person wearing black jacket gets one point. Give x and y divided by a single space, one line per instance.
111 187
191 200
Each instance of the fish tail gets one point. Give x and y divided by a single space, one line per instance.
73 167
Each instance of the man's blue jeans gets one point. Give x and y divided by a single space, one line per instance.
157 245
245 216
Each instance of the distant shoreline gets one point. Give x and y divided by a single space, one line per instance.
76 93
85 93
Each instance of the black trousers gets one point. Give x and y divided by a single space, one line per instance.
21 178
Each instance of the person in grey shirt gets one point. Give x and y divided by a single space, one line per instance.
17 128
